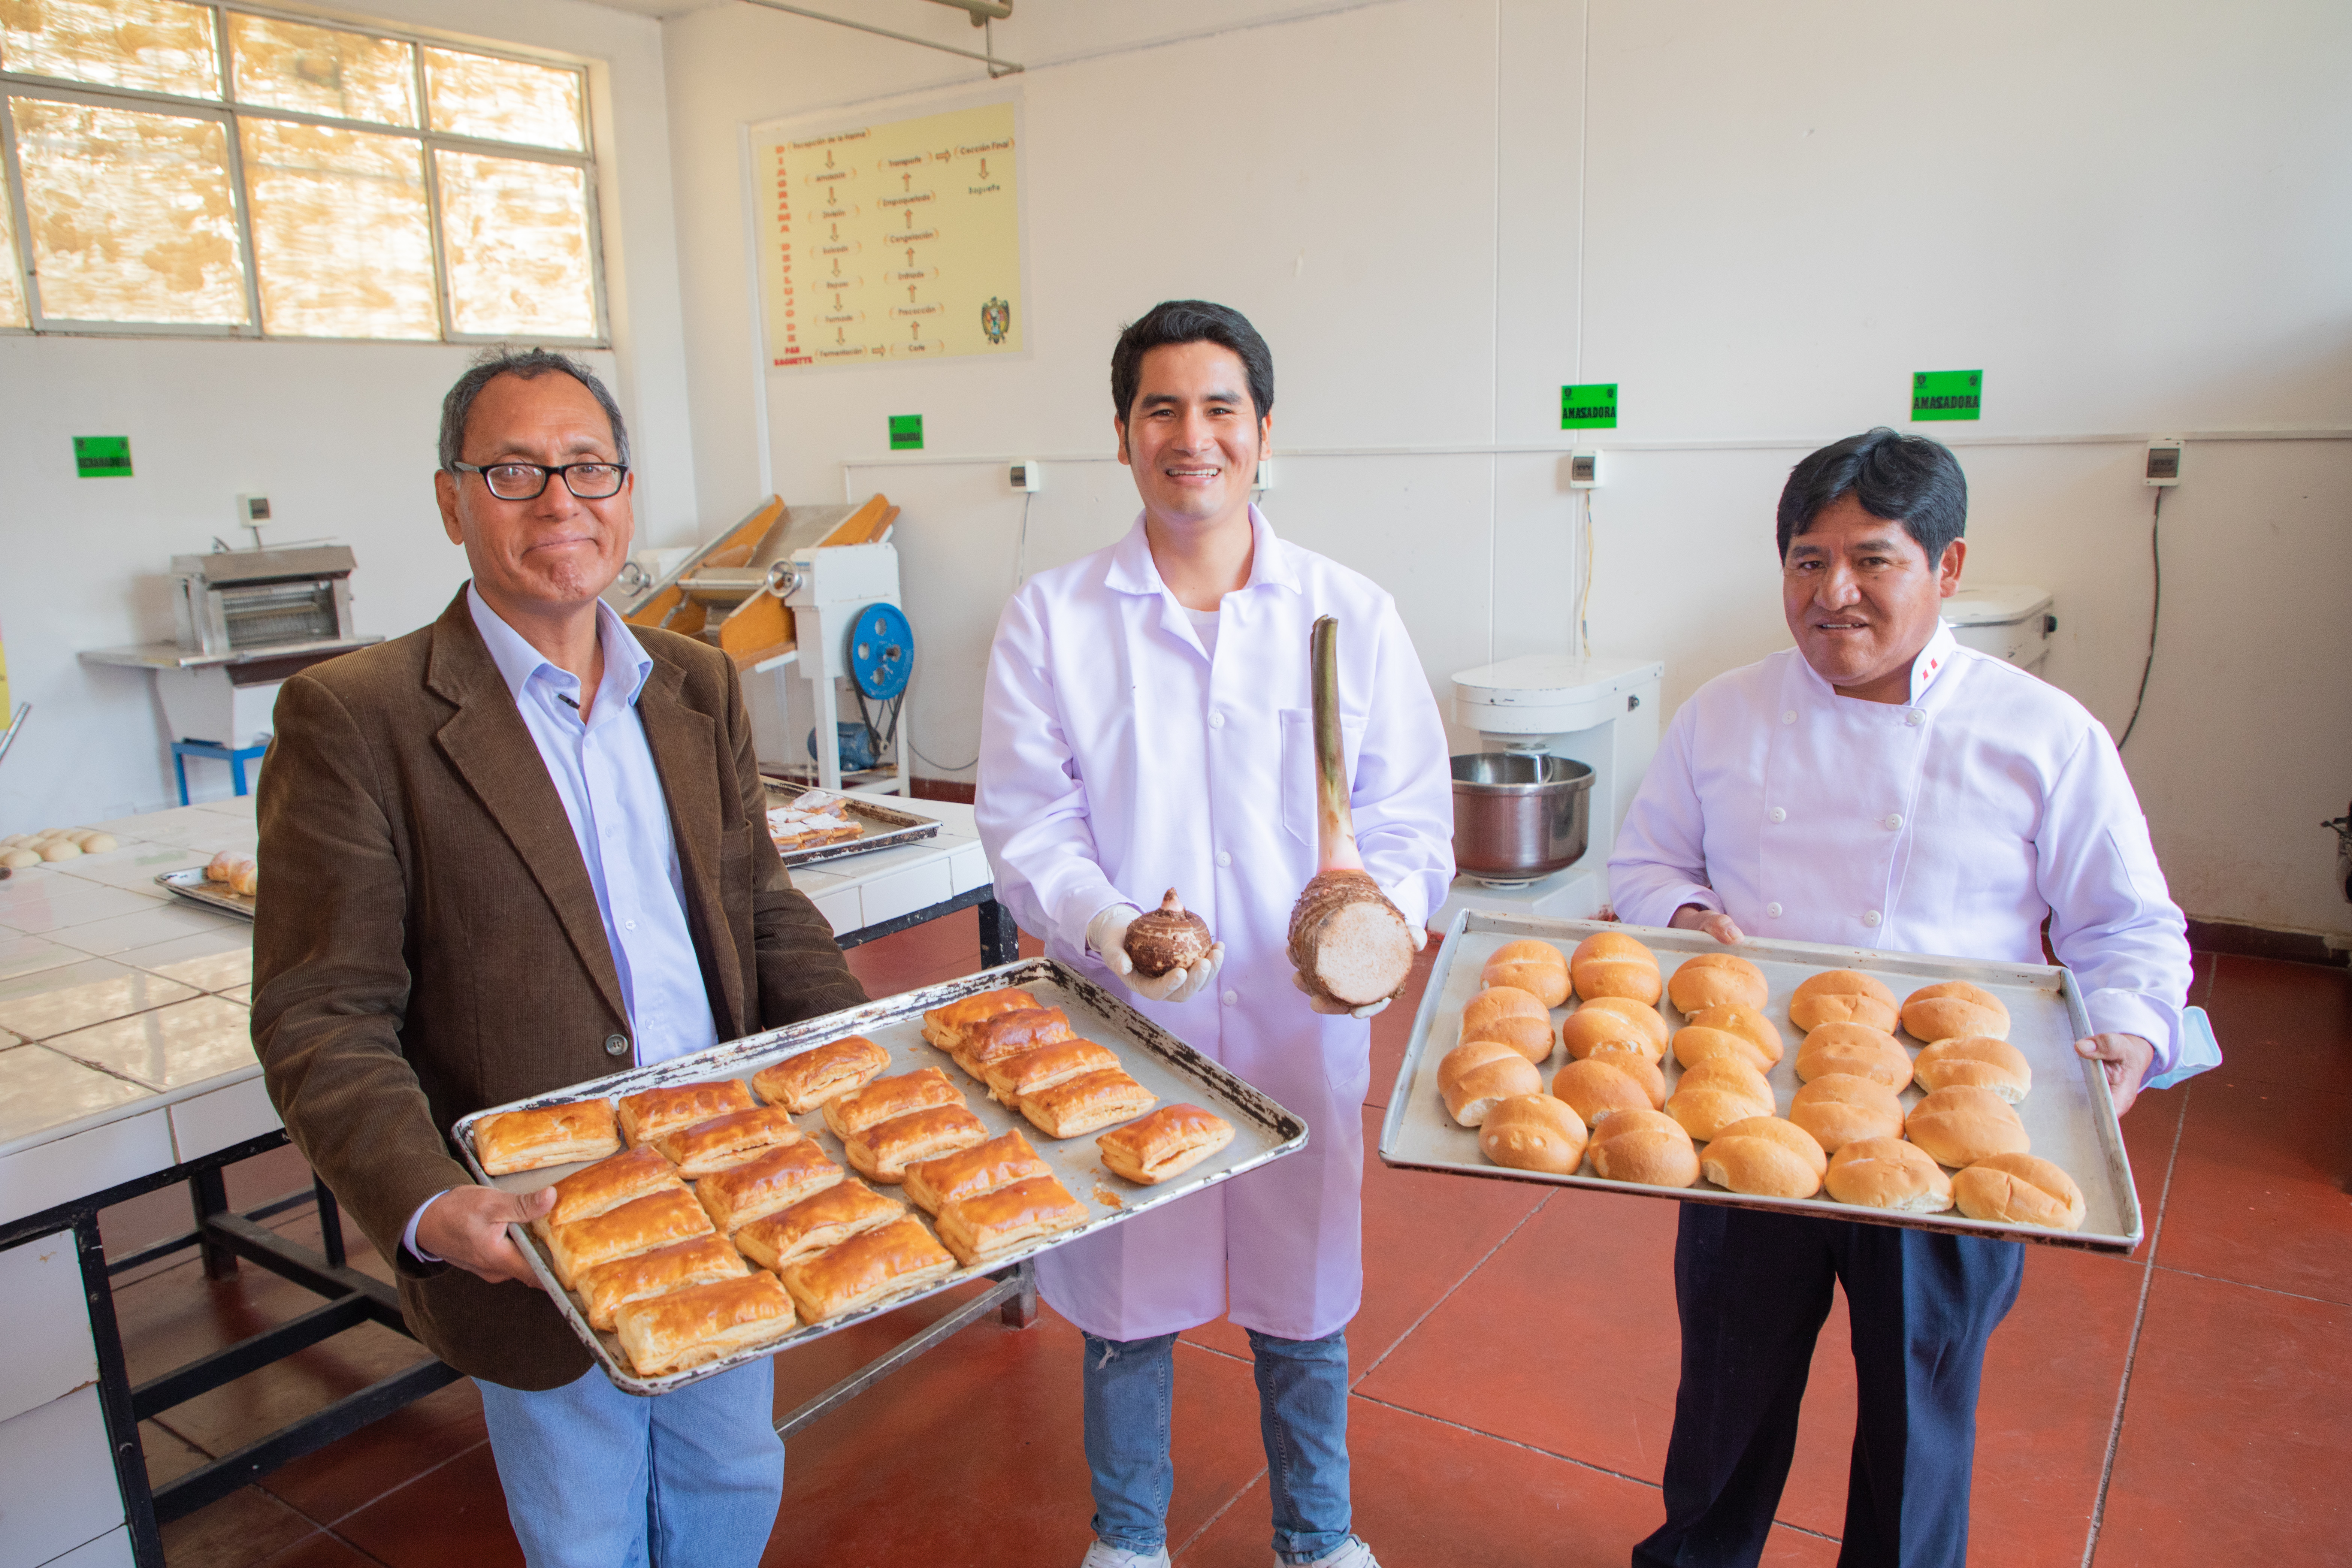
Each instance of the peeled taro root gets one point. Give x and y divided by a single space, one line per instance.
1169 937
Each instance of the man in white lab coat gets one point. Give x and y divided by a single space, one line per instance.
1879 786
1146 727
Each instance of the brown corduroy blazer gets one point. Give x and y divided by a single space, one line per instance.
429 943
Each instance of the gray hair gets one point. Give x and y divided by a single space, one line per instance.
530 364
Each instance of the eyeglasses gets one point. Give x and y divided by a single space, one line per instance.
528 481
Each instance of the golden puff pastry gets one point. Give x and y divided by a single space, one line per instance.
1081 1104
806 1081
703 1323
1167 1142
638 1225
546 1135
968 1173
659 1111
606 1185
777 1179
1009 1035
1046 1066
726 1141
945 1027
875 1266
884 1150
611 1286
878 1102
811 1225
993 1224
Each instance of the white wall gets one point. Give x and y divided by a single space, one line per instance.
2135 217
340 436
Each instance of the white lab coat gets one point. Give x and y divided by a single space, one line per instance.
1117 759
1952 824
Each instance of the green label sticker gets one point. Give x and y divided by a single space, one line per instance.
1588 407
1946 394
906 432
102 456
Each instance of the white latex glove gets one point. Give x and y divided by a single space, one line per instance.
1420 941
1107 936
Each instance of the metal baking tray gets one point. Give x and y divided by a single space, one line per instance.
884 829
191 885
1263 1130
2069 1115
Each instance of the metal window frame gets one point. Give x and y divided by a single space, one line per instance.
228 110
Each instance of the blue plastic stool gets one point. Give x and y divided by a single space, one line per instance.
212 750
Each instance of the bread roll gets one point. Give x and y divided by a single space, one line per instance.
1644 1146
1598 1087
1841 1108
1534 1132
1606 1022
1531 1038
1955 1008
1765 1157
1537 968
1746 1022
945 1027
1167 1142
1500 1002
1474 1093
1717 1092
1842 996
1476 1054
1978 1061
1962 1126
1716 980
2019 1189
1856 1049
1610 963
1696 1044
1888 1173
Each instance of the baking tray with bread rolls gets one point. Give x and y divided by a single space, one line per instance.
2066 1112
1172 1073
885 828
191 886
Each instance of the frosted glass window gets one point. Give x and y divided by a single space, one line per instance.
158 46
322 199
516 236
131 216
503 100
320 71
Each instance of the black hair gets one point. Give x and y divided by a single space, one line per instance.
1907 479
530 364
1190 321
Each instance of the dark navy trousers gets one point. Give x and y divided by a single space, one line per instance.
1752 1289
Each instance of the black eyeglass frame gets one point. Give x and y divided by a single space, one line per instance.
546 473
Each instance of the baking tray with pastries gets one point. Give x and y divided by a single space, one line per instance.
1899 1089
761 1195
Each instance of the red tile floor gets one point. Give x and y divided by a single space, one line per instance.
1514 1366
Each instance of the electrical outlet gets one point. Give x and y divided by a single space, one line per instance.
1583 471
1026 476
2164 459
252 509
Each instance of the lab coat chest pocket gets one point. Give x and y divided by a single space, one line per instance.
1299 766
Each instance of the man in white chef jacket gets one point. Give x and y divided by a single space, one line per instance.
1147 726
1880 786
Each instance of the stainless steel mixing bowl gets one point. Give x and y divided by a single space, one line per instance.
1519 816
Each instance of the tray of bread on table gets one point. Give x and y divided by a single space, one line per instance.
228 883
768 1191
1848 1083
807 825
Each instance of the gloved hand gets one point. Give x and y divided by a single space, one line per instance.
1320 1004
1107 936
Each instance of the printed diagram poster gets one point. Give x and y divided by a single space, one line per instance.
893 241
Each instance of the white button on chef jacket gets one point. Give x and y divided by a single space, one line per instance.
2017 805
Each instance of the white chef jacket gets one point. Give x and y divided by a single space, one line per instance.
1953 823
1119 759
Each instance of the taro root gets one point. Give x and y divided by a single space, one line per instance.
1169 937
1348 944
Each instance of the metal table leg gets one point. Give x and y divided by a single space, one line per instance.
1014 1296
1000 939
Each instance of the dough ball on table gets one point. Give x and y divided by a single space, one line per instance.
1697 1044
1978 1061
1537 968
1717 1092
1765 1157
1527 1033
2019 1189
1842 996
1644 1146
1962 1126
1534 1132
1955 1008
1598 1087
99 844
1888 1173
1610 963
1841 1107
1614 1023
1476 1091
1749 1023
1856 1049
60 849
1717 980
17 859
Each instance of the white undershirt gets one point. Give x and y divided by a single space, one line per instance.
1204 626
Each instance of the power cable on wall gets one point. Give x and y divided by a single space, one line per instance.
1584 591
2155 610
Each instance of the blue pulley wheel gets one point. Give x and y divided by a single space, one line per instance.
881 651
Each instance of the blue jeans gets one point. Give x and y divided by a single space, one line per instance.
598 1478
1302 1392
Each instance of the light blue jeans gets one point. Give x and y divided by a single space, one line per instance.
1302 1395
598 1478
